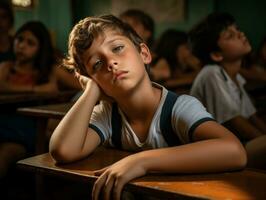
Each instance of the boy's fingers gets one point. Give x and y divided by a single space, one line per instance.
98 186
117 189
100 171
108 186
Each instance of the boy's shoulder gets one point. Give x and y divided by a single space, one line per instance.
211 71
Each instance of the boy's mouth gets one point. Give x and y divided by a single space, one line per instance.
119 75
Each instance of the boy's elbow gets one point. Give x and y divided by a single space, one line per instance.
59 154
239 157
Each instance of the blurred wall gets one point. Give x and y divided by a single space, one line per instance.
59 15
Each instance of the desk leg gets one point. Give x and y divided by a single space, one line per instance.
41 135
40 148
39 180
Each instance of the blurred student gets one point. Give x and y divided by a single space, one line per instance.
110 60
221 47
141 22
6 24
174 63
32 71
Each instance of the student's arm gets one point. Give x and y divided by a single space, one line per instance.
253 73
243 127
50 86
215 149
258 122
67 79
72 139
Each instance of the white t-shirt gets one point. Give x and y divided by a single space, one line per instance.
220 95
187 114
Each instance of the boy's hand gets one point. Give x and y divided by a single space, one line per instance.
113 178
84 81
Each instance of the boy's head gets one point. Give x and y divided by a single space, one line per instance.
87 30
216 39
141 22
168 46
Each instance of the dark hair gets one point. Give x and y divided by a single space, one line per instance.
44 59
168 44
9 10
204 36
87 30
144 19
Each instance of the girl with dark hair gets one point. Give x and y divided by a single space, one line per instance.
32 70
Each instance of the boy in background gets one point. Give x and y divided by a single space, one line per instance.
221 47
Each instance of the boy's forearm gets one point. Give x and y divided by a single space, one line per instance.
70 134
201 157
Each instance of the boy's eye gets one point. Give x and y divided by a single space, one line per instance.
98 64
118 48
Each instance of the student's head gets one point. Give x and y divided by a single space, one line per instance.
6 16
104 48
141 22
32 44
217 39
172 46
88 30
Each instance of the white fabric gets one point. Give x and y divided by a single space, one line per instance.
220 95
186 112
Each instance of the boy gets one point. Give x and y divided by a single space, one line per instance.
141 22
114 57
221 46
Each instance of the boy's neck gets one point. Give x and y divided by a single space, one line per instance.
232 68
141 104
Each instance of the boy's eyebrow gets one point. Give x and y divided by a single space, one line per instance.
117 37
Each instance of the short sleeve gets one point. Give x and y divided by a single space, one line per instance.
188 113
215 95
101 120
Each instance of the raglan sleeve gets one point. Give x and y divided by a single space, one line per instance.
100 121
187 114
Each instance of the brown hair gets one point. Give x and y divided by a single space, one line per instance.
87 30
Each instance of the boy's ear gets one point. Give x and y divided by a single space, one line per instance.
145 53
217 56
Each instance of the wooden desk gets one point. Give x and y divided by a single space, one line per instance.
244 185
43 113
11 101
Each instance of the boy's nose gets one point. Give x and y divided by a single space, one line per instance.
112 66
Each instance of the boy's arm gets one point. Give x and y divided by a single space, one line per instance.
243 127
215 149
72 139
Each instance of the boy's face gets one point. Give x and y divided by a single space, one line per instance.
233 43
114 62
